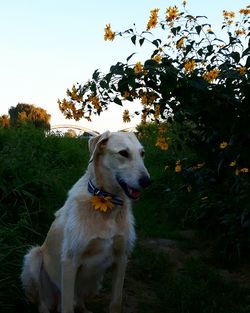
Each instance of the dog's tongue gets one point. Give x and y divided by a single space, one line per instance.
134 193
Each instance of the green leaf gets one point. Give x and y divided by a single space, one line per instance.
93 87
175 30
141 41
113 87
95 75
108 77
200 52
129 31
236 56
246 52
149 64
209 50
117 101
129 57
201 16
133 39
248 62
156 42
103 84
198 29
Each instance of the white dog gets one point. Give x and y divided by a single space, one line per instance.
92 232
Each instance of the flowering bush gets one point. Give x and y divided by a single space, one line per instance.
200 82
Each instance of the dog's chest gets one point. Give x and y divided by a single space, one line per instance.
102 252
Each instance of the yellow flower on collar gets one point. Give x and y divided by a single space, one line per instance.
102 203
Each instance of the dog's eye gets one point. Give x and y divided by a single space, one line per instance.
124 153
142 153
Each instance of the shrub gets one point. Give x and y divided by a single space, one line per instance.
197 80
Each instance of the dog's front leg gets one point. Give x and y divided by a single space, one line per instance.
118 274
68 285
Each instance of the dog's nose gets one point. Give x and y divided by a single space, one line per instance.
144 181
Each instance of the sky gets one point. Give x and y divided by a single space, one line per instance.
46 46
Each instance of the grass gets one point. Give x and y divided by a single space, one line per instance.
36 173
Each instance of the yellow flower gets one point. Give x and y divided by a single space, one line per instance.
244 11
232 164
239 32
157 58
180 43
138 67
242 70
189 188
101 203
244 170
126 117
189 66
225 13
211 75
178 168
161 143
228 14
96 102
223 145
153 19
108 35
172 13
184 3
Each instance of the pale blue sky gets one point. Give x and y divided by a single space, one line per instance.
48 45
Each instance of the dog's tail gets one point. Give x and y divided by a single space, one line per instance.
30 275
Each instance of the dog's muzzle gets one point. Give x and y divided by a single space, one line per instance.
131 192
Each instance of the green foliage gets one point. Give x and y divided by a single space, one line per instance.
28 114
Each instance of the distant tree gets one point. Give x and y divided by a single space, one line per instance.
25 113
71 133
4 121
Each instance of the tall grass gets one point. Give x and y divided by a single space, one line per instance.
36 172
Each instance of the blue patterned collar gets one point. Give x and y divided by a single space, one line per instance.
98 192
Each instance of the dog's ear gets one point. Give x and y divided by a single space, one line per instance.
97 143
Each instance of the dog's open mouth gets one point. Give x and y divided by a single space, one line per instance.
131 192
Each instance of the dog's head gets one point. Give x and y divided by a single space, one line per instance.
118 158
